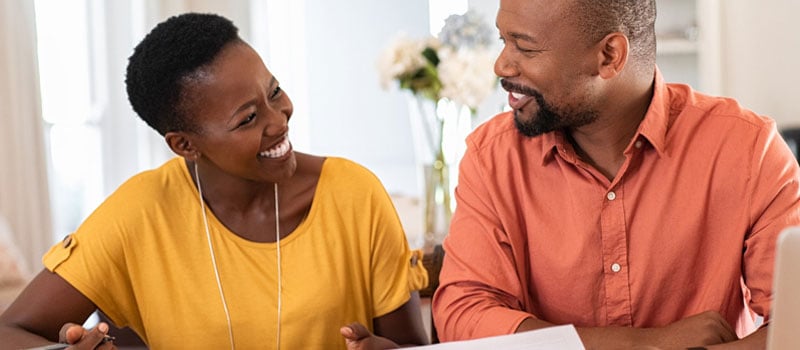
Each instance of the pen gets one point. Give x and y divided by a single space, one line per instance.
61 346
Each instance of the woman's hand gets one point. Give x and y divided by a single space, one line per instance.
359 337
81 338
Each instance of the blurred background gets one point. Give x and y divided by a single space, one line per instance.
68 136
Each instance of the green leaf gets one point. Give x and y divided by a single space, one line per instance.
431 55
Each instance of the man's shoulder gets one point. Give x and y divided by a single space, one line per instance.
722 108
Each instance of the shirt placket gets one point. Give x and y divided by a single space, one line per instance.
615 258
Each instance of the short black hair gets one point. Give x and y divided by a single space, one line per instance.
634 18
171 52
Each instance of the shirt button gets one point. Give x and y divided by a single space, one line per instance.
637 144
615 267
611 196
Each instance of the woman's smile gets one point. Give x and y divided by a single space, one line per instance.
279 150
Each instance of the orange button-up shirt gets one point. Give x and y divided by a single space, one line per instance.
696 207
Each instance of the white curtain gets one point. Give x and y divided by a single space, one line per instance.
24 199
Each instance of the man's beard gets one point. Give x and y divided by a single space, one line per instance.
546 119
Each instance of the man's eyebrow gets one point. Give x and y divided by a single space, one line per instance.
525 37
519 36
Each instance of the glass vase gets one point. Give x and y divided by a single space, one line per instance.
439 128
437 205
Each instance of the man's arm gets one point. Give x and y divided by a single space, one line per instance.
480 292
756 340
704 329
773 202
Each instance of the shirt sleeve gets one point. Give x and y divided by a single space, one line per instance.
417 274
774 206
480 294
394 276
92 260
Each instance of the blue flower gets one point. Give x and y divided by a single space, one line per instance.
466 31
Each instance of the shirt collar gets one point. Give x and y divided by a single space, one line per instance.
656 121
550 143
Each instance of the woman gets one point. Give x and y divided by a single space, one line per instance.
240 242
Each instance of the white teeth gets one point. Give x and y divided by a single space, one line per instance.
278 151
517 95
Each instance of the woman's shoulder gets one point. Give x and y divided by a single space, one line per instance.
171 174
163 184
339 175
348 171
145 195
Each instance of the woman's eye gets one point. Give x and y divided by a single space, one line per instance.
247 120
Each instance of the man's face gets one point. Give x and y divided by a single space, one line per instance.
547 67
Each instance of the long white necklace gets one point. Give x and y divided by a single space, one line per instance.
214 259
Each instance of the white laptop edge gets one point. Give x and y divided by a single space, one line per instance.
784 328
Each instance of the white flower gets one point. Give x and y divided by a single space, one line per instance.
456 65
403 56
467 76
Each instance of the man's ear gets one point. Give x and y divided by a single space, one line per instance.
613 54
180 143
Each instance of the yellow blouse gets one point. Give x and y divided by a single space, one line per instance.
143 258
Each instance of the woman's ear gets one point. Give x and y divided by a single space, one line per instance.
613 54
179 143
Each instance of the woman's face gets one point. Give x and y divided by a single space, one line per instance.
241 116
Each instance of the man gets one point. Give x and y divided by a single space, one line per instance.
643 213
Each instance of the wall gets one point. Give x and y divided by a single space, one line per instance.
350 115
761 51
348 112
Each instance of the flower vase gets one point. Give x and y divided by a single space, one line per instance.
437 205
438 128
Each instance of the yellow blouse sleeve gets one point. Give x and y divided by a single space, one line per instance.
417 274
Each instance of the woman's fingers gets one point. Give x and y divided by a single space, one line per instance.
70 333
354 331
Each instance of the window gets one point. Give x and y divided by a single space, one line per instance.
70 111
94 139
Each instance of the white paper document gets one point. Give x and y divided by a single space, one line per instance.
552 338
